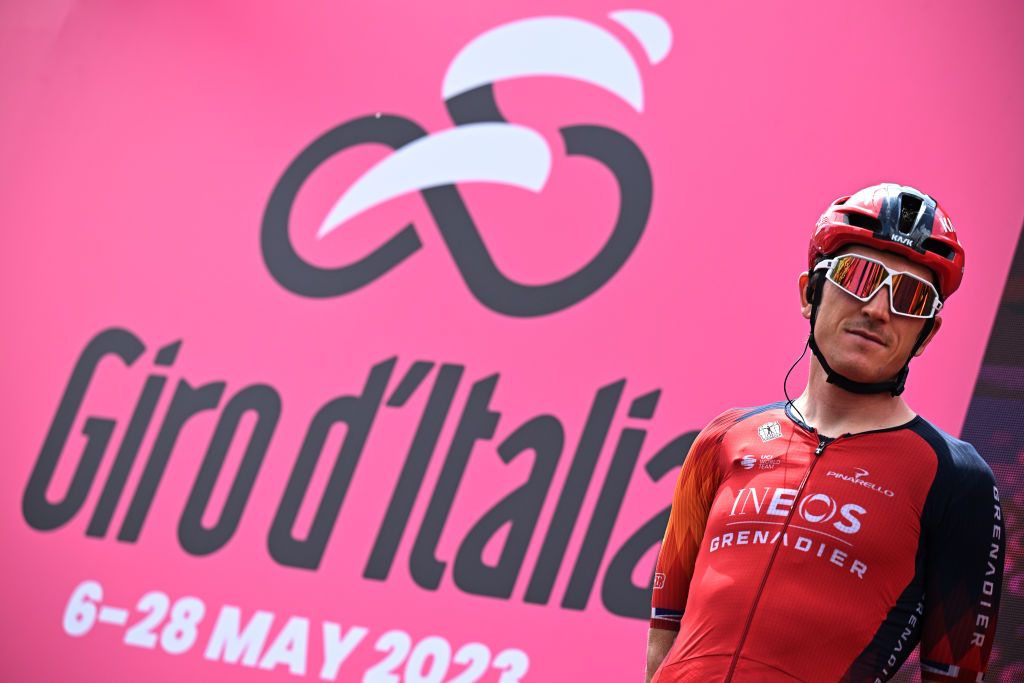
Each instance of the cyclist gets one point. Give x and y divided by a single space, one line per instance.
821 539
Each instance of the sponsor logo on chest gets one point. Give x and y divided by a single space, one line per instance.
815 524
860 478
764 462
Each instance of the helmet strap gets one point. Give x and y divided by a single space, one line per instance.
894 385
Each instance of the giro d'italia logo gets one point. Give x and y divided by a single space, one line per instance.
482 147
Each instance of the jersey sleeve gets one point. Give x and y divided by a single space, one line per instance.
695 491
963 576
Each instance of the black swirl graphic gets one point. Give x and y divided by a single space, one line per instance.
485 281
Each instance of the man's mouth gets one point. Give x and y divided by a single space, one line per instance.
864 334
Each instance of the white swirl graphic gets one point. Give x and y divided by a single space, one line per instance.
483 152
505 153
547 46
653 32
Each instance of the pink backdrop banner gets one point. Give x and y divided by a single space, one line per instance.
363 342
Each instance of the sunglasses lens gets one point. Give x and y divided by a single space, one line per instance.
912 296
858 276
862 278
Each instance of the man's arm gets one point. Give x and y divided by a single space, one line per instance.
659 642
964 575
691 503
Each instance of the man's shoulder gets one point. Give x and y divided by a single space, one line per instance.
955 454
729 419
768 411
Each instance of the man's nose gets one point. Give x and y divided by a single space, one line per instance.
878 305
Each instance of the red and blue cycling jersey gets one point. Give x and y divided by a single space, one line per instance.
794 557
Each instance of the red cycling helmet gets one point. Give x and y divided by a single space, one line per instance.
894 218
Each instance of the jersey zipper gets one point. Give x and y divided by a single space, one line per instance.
823 442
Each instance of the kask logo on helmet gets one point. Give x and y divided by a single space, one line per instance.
482 147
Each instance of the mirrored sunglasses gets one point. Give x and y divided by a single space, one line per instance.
861 277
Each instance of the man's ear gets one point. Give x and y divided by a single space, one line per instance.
931 335
805 294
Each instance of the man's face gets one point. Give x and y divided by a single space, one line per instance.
865 340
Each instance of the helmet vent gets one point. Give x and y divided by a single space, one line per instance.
861 221
910 208
940 248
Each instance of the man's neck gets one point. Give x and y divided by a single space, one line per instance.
834 411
